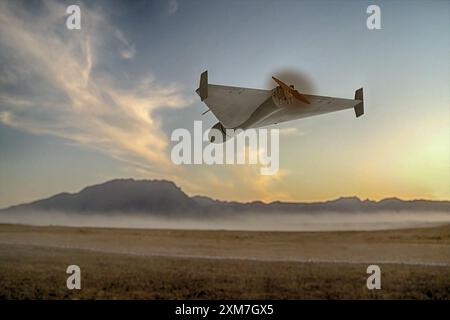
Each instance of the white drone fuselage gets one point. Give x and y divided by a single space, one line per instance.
244 108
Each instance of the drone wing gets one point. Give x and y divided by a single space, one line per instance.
318 105
232 106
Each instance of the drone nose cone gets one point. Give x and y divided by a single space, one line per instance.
217 134
212 138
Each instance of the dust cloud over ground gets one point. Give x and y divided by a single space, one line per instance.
326 221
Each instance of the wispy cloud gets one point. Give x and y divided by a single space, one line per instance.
56 90
128 50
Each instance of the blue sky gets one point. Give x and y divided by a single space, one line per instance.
84 106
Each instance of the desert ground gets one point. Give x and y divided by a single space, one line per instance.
194 264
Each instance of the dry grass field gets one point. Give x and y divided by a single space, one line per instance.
178 264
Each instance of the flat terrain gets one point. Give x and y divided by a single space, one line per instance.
172 264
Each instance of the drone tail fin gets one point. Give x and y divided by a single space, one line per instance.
202 91
359 108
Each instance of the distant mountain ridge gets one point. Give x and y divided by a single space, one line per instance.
166 198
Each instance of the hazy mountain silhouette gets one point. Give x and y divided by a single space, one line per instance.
164 197
121 195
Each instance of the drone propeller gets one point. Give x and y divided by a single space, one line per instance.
291 91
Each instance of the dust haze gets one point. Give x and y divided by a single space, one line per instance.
324 221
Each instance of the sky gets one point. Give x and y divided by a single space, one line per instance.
80 107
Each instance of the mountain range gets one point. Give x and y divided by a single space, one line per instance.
162 197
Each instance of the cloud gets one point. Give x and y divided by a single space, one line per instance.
128 51
241 183
287 132
51 85
173 6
